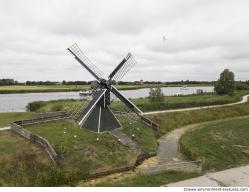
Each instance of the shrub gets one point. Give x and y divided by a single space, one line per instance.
156 94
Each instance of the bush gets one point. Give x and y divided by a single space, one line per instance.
156 94
35 105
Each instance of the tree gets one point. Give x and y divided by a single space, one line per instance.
156 94
225 84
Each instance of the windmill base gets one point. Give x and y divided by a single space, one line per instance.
101 119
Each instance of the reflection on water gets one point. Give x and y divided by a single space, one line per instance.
18 102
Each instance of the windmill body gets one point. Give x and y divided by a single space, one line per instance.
97 116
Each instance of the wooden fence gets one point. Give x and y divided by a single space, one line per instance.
139 160
150 123
18 128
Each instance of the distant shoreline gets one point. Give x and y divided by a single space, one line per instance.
15 89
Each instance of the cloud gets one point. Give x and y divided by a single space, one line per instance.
202 38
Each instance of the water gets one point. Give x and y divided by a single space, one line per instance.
18 102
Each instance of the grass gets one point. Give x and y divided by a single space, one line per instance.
176 102
78 156
22 163
170 102
221 145
170 121
144 136
7 118
84 153
152 180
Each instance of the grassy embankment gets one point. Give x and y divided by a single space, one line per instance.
170 121
79 155
73 88
169 102
221 145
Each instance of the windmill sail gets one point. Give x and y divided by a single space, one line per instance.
125 100
126 64
84 61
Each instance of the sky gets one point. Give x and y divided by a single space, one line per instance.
171 40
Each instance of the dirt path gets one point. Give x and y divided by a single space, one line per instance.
244 100
168 150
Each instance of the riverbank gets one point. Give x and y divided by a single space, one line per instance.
76 88
145 104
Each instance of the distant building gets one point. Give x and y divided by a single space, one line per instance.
141 82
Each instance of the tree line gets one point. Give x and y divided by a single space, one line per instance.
218 84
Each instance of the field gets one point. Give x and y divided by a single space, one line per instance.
221 145
67 88
84 152
7 118
22 164
82 155
79 151
169 102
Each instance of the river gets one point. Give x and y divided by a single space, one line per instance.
18 102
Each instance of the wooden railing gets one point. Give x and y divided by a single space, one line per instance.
150 123
18 127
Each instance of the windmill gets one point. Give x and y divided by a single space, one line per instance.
97 115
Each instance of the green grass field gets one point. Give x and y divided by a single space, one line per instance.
84 152
221 145
22 163
65 88
78 156
7 118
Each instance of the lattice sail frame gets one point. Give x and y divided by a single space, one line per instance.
79 53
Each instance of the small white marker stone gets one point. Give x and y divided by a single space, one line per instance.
64 131
97 139
75 136
119 140
65 128
133 135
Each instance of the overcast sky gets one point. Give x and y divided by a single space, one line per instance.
170 39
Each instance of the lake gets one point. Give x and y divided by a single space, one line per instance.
18 102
